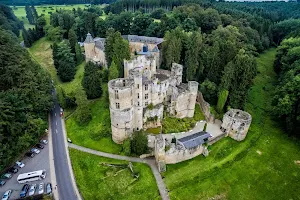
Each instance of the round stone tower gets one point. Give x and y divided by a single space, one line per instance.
193 89
121 108
236 124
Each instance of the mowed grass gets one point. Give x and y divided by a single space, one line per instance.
97 181
260 167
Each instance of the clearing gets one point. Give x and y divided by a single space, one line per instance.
234 170
96 180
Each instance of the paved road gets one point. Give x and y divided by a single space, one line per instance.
63 174
151 162
38 162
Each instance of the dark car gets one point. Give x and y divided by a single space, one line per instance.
2 182
29 154
48 188
40 146
13 170
24 191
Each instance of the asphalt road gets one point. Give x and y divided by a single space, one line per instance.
63 176
38 162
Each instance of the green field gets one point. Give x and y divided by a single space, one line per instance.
97 181
19 11
261 167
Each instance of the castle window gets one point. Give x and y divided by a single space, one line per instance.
118 105
146 96
131 102
138 95
146 87
116 94
138 103
146 103
138 86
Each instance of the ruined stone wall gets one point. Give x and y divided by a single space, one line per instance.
138 46
159 91
152 117
205 107
174 156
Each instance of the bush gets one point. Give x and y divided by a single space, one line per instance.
127 147
139 143
83 115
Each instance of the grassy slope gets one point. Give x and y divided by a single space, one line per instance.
80 135
260 167
96 181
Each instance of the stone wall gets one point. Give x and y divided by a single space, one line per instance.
205 107
174 155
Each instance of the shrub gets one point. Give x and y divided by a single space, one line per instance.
139 143
127 147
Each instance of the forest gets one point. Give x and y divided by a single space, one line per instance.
25 93
217 43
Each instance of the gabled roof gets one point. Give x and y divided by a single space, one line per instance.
89 38
194 140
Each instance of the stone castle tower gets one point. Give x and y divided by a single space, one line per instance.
138 100
236 124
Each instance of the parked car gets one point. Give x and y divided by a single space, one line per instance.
44 141
13 169
2 182
24 191
69 140
40 146
20 164
41 188
32 190
6 195
29 154
35 150
48 188
6 176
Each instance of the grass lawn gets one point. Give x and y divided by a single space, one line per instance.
176 125
261 167
97 181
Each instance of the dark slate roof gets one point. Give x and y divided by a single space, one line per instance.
161 77
144 39
100 43
194 140
89 38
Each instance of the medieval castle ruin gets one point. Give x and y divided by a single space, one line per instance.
138 101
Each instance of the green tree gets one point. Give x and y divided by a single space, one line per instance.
223 95
83 113
113 71
29 14
65 61
140 24
78 54
26 38
139 143
209 91
91 81
72 39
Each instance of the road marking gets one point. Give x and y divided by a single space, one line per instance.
56 130
56 123
55 114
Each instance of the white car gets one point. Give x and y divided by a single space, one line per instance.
41 188
32 190
43 141
20 164
6 195
35 150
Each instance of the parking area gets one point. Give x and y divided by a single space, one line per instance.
38 162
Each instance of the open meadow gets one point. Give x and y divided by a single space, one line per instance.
260 167
97 180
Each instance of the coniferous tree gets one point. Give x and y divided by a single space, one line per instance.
29 15
54 54
78 54
91 81
65 61
34 14
113 72
72 39
26 38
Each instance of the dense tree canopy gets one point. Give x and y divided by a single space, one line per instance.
91 81
25 99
